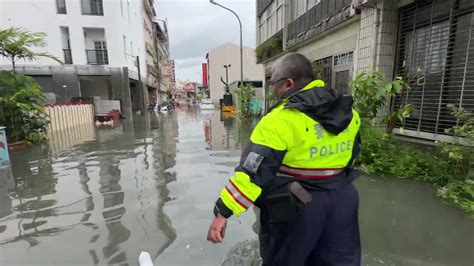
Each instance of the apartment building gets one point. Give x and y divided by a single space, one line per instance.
429 42
101 42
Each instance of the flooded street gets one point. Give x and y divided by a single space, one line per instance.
101 196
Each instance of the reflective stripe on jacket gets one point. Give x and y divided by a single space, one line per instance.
289 142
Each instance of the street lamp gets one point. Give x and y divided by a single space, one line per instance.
241 47
227 74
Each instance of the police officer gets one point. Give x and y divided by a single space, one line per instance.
298 170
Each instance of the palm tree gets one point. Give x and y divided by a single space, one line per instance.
17 44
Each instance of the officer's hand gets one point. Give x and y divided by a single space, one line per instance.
217 230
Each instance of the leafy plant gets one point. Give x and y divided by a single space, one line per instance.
459 193
21 107
17 44
449 167
371 95
246 94
269 48
460 152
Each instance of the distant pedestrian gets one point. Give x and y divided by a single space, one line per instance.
298 170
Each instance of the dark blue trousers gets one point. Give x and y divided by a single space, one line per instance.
326 233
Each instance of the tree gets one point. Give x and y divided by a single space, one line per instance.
21 107
17 44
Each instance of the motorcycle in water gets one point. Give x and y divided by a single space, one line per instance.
154 106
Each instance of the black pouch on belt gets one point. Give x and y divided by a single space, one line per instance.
286 202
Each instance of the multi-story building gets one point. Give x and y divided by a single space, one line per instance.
162 48
227 57
429 42
101 42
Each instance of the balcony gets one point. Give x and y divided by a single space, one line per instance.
270 47
92 7
67 56
323 16
97 57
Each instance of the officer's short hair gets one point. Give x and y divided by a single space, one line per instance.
293 65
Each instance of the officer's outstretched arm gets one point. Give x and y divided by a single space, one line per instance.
259 164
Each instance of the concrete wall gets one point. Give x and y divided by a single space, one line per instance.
64 82
229 53
339 40
96 86
40 16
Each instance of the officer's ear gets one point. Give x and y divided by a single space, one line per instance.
290 83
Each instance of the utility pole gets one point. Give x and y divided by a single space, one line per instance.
241 45
140 84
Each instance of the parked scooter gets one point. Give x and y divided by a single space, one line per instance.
154 106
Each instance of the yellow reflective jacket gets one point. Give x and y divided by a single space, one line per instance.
311 136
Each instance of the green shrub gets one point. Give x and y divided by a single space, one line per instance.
21 107
246 93
448 165
459 193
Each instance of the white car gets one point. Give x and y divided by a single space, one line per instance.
206 104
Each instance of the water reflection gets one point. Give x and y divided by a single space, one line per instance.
227 131
104 198
63 140
149 185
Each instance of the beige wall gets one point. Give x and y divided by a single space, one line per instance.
229 53
344 39
149 38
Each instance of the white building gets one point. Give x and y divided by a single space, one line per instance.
96 37
229 54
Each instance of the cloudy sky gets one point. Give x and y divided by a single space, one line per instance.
196 26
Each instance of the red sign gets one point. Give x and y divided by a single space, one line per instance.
204 75
173 74
189 87
166 70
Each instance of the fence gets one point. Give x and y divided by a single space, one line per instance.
70 124
66 116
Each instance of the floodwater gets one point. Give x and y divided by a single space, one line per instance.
100 196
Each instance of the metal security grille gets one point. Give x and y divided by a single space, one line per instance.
342 81
322 69
436 56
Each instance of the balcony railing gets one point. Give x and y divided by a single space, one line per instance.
321 17
92 7
67 56
97 57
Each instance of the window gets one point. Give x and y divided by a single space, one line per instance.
92 7
311 3
124 46
121 7
345 58
342 81
66 44
435 55
61 6
280 18
300 7
322 69
100 45
131 48
101 52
